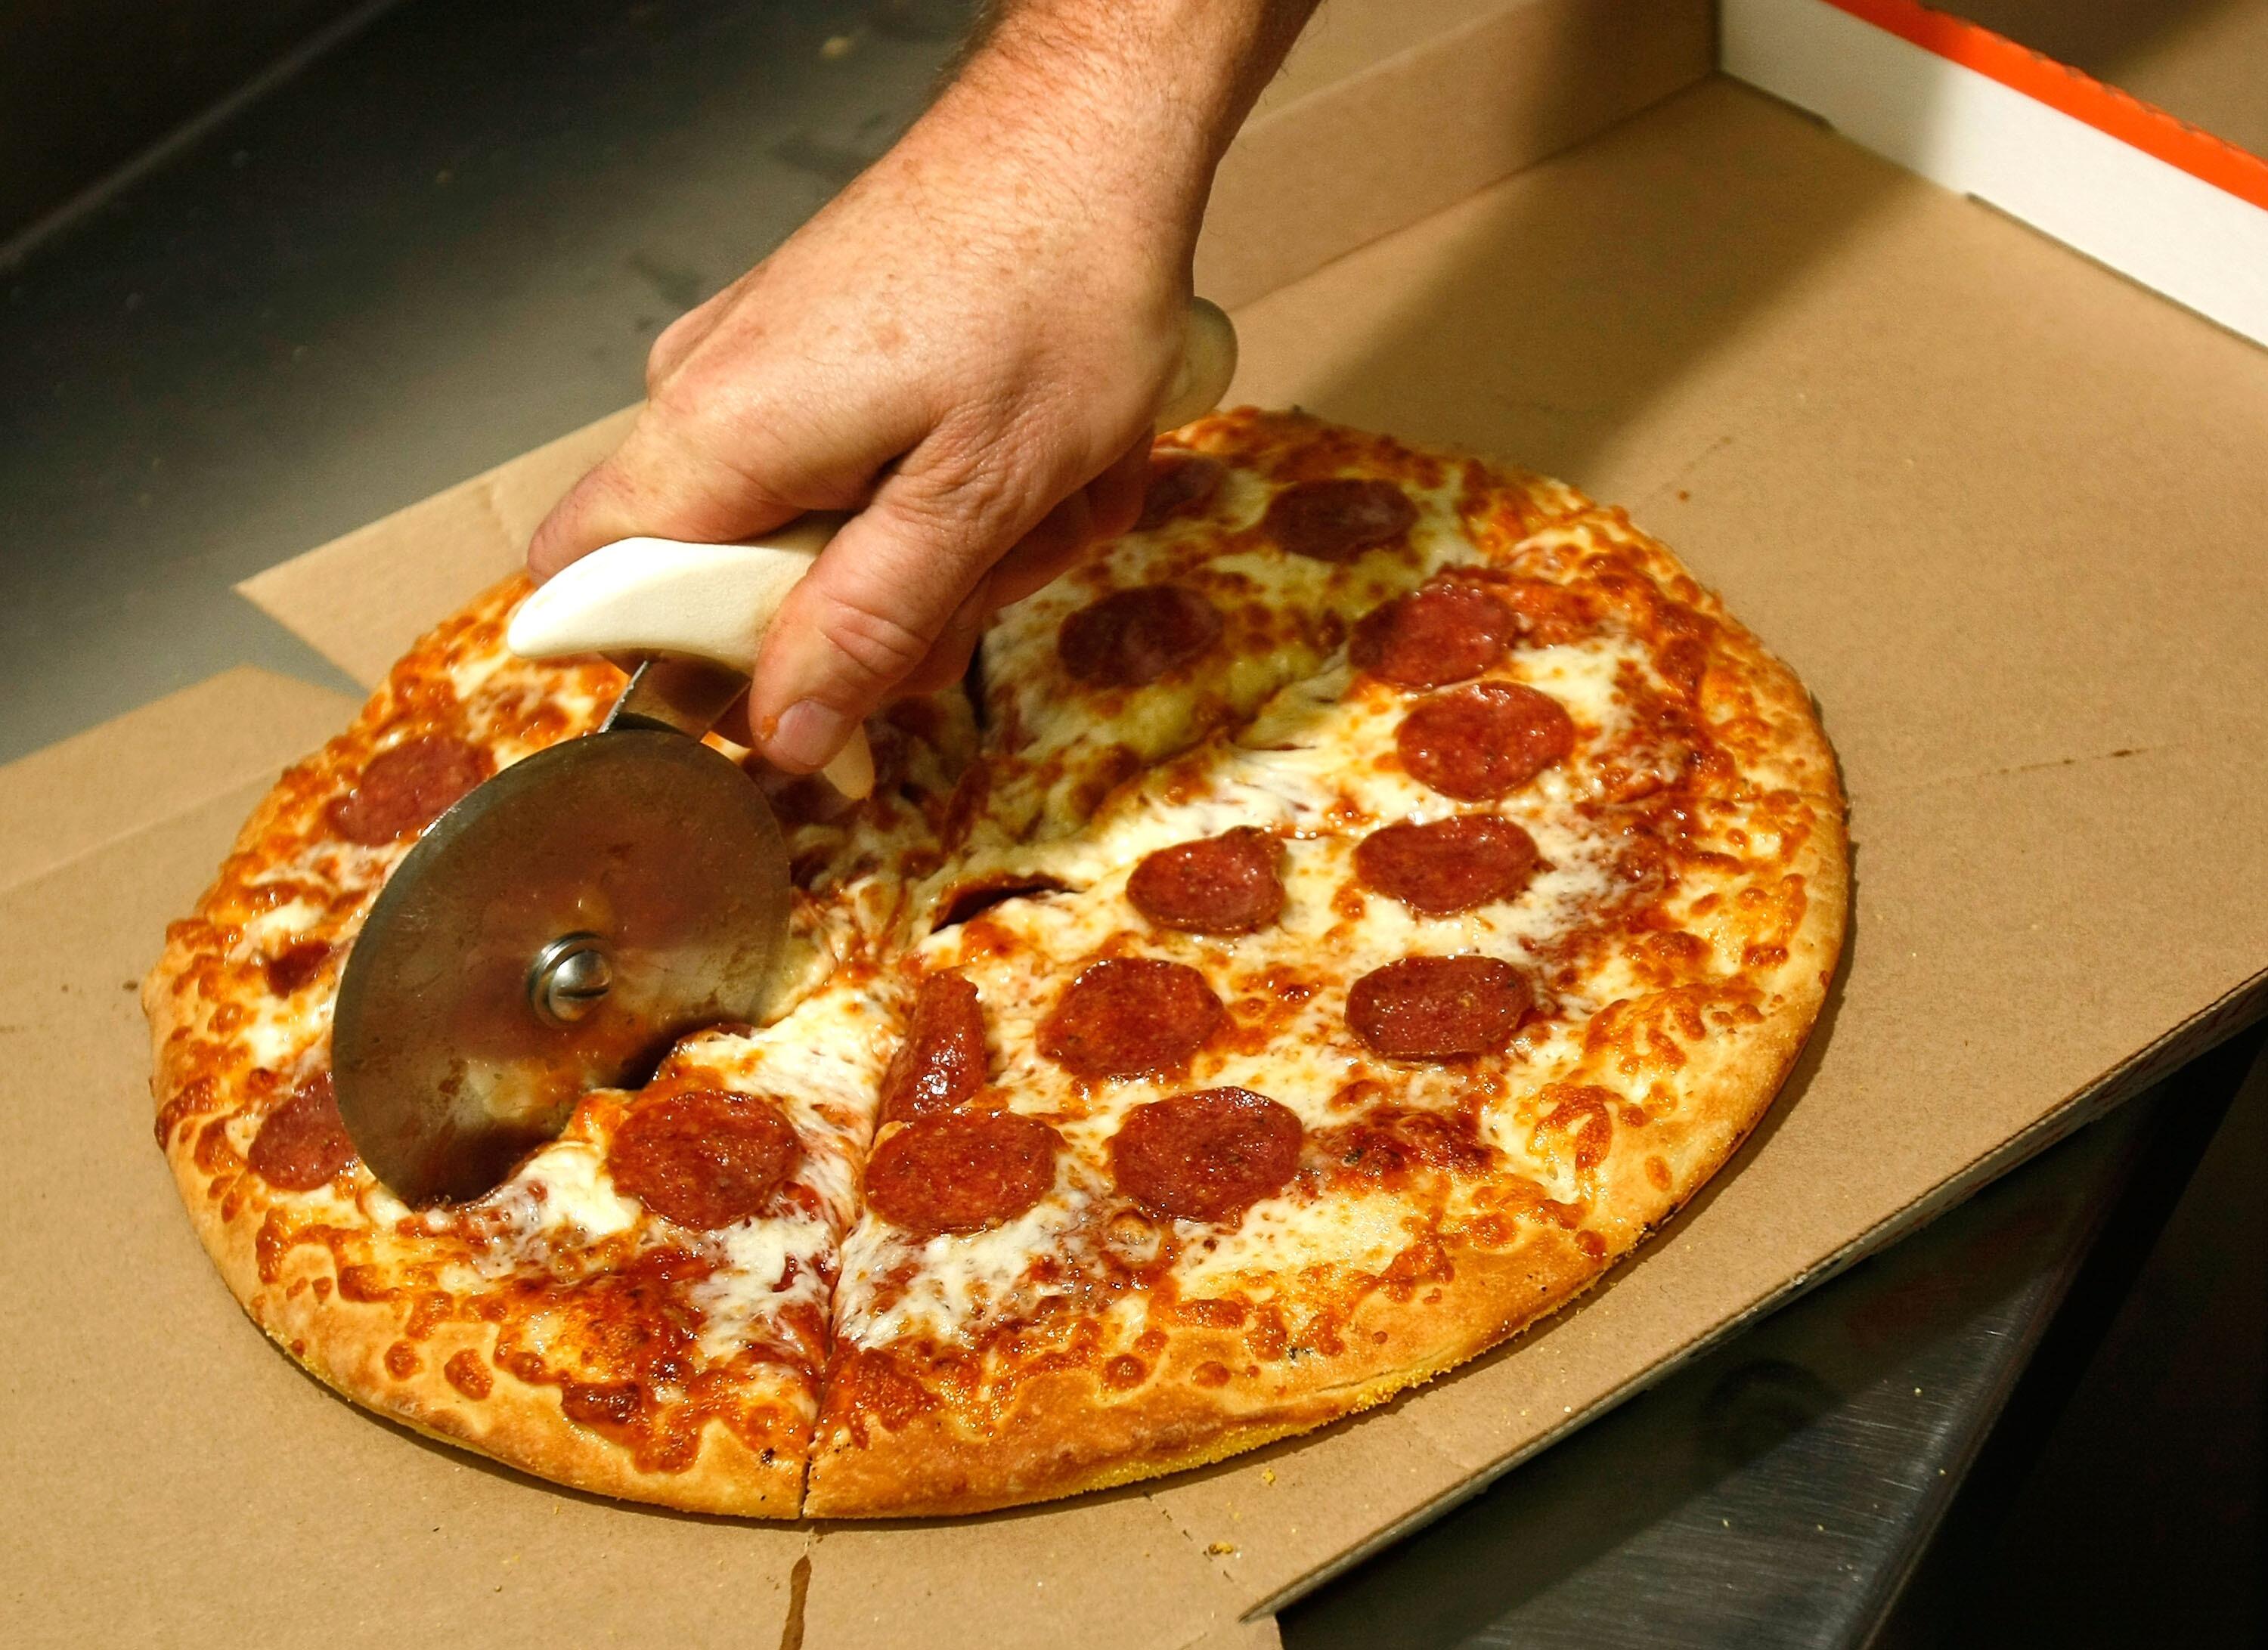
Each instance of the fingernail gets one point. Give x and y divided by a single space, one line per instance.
809 734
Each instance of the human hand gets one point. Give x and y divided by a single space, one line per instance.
966 348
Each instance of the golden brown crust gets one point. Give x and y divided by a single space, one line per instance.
351 1345
345 1344
1065 1431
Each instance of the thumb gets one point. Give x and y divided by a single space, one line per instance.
657 483
871 610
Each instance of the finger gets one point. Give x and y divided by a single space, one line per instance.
1116 496
947 659
655 483
1106 507
879 598
682 336
1060 541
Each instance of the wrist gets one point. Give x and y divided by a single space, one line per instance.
1127 106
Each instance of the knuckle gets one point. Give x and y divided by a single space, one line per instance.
983 483
879 647
671 346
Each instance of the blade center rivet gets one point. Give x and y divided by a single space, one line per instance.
568 979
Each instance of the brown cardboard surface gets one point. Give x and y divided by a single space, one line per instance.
361 600
1998 506
1323 168
2002 510
142 768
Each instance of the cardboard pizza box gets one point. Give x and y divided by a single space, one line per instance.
2000 505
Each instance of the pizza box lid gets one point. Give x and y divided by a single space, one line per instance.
1998 506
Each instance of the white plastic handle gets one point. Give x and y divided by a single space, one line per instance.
1208 363
663 596
714 602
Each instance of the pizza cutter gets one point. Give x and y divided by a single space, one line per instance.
564 924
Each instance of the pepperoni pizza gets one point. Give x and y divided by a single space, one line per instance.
1353 912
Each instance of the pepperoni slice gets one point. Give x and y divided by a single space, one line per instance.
406 787
295 966
1480 742
302 1143
941 1062
1441 633
1338 520
1438 1008
962 1171
1229 884
704 1158
1134 637
1449 865
1205 1156
1130 1016
1181 484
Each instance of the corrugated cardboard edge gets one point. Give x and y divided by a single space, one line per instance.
75 797
360 606
2232 1014
1330 172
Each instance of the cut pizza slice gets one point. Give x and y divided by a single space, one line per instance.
1262 536
641 1306
640 1309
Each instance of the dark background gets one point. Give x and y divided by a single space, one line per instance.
88 85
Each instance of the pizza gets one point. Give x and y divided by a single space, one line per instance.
1330 930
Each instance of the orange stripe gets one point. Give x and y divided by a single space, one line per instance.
2141 125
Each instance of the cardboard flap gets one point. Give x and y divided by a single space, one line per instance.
1315 175
148 764
361 600
1110 1572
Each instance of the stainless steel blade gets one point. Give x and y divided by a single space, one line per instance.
554 931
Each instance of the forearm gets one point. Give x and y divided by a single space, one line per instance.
1129 103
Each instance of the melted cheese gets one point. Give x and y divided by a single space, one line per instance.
564 1189
268 931
1341 1235
960 1282
740 1300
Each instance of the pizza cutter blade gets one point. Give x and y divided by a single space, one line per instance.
564 924
554 932
566 921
